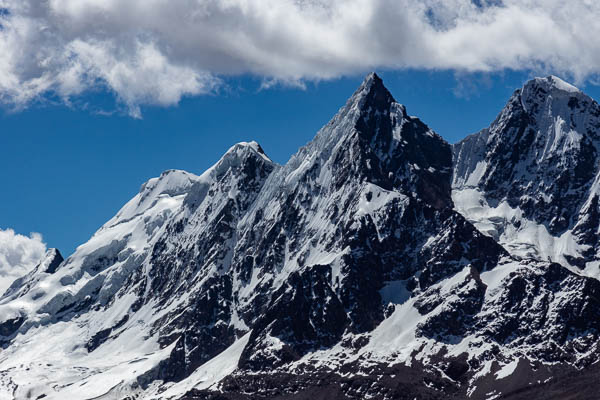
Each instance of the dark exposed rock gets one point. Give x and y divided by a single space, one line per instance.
294 317
10 325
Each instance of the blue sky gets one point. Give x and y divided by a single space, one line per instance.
67 170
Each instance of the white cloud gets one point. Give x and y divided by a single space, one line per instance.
156 51
18 255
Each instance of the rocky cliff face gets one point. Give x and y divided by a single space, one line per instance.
352 271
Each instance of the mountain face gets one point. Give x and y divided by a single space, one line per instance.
531 179
379 262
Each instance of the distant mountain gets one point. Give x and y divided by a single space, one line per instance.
379 262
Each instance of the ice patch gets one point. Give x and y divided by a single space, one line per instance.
209 373
507 369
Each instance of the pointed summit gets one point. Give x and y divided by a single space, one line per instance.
372 95
51 261
370 108
372 139
373 82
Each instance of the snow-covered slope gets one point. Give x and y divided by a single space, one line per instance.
345 273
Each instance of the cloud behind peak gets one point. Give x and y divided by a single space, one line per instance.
18 255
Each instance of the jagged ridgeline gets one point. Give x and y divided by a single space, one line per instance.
379 262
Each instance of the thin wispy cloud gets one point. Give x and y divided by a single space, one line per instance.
158 51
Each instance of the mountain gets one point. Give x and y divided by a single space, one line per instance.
356 270
531 180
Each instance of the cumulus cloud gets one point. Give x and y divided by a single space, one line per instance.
157 51
18 255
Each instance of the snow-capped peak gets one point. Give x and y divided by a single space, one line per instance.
238 155
370 104
372 95
171 181
529 175
551 83
252 146
372 81
550 95
174 182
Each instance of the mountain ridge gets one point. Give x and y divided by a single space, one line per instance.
354 261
